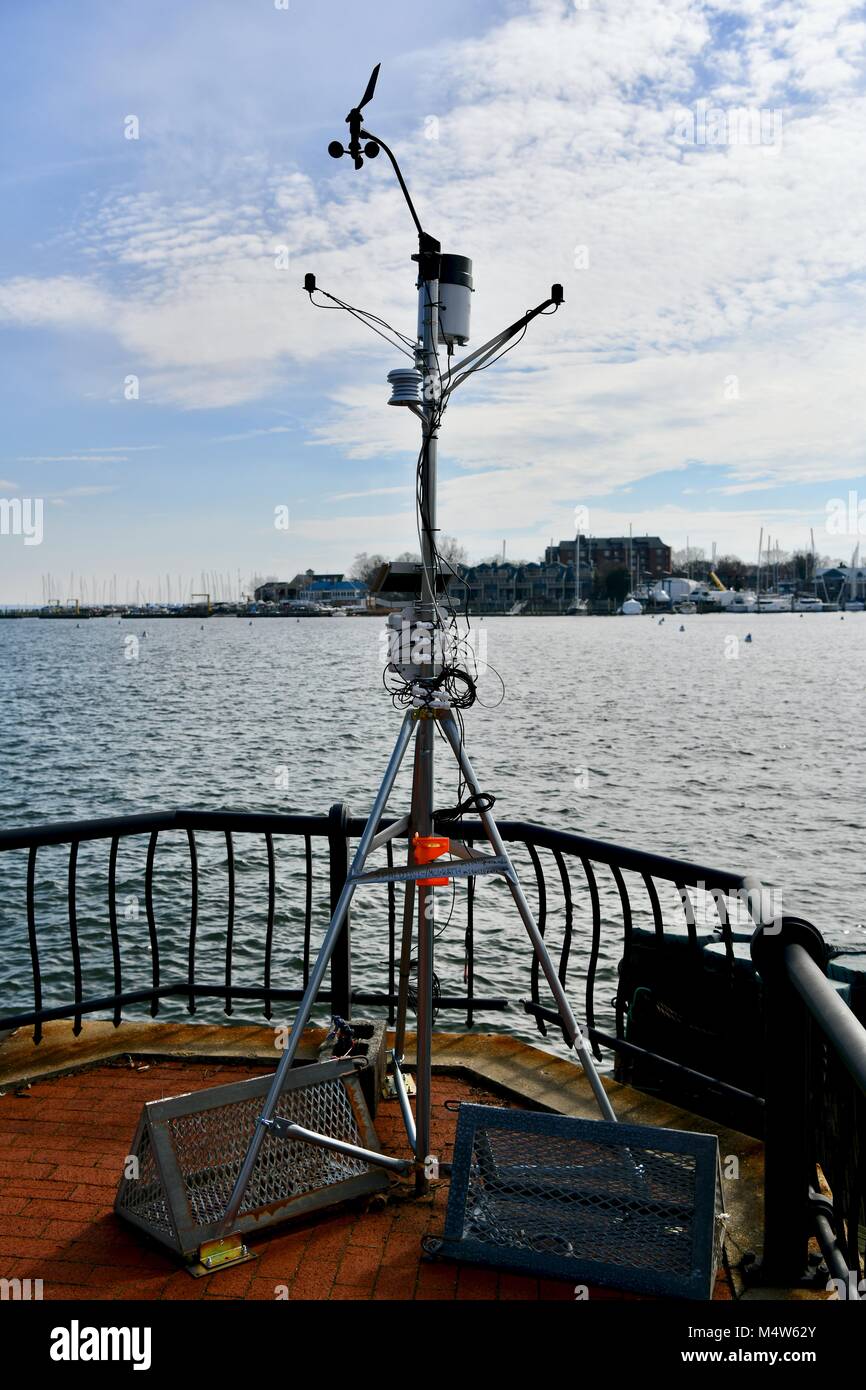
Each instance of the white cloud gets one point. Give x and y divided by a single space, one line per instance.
400 491
252 434
720 317
60 301
74 458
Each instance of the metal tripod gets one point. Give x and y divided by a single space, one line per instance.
465 863
421 722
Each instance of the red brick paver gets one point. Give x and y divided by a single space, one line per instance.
62 1145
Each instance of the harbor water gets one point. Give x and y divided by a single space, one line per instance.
678 737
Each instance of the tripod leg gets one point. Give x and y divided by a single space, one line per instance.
422 809
424 1035
403 988
405 967
452 733
406 940
326 949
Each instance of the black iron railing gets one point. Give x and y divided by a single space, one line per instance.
815 1124
741 1025
579 884
653 944
317 843
117 832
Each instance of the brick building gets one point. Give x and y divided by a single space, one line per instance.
646 556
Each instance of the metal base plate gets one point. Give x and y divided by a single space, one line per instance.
217 1255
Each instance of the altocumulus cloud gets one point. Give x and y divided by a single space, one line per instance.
715 295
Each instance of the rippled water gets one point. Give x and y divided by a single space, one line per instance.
691 743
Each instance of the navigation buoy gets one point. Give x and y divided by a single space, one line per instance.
682 628
749 635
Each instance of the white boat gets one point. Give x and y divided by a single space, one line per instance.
631 607
855 605
656 597
774 603
707 597
724 600
740 601
805 603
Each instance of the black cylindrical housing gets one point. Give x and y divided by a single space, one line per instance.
456 270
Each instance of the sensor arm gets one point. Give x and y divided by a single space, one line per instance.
361 315
459 372
365 135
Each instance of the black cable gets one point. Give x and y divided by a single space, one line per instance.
482 367
353 309
364 317
503 687
447 921
479 801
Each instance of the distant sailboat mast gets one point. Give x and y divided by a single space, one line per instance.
758 576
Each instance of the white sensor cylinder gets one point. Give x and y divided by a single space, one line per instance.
455 300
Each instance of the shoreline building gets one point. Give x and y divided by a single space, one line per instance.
503 587
840 583
645 557
327 589
549 585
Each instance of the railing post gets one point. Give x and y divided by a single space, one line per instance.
789 1152
341 960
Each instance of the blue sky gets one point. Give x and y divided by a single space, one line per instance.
704 377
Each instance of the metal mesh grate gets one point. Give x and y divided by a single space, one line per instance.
210 1148
584 1200
143 1197
625 1205
190 1150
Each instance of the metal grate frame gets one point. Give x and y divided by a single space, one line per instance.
632 1207
190 1150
